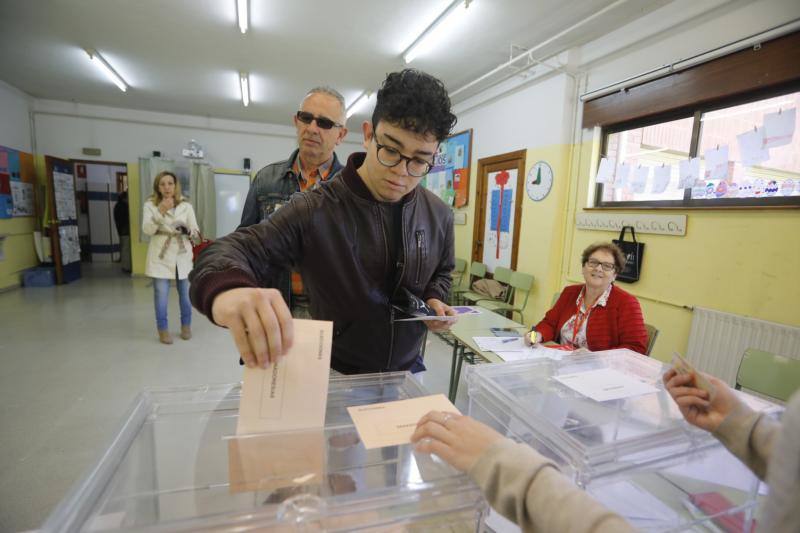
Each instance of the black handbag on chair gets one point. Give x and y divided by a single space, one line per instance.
634 252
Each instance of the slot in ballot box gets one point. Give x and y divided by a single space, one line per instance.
176 464
635 454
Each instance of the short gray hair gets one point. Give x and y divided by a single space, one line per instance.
329 91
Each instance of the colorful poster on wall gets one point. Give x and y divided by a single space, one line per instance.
16 183
449 176
498 234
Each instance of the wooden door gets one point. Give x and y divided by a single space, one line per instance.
498 209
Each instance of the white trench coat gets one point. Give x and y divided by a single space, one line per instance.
169 248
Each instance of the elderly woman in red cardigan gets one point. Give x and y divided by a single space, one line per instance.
596 315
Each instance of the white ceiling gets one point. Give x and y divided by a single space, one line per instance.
183 56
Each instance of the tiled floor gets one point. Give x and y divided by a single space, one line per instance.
73 357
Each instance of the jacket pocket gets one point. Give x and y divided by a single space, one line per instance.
269 203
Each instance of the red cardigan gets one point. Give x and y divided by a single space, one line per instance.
619 324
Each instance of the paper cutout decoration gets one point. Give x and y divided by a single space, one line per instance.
699 190
661 177
787 187
501 207
759 187
722 189
621 180
751 147
772 188
779 127
733 190
605 174
746 189
689 173
639 181
716 163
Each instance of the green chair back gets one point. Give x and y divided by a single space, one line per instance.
521 282
458 272
477 270
652 335
769 374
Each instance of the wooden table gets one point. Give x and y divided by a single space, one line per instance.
469 326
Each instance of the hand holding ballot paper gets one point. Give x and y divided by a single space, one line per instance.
703 400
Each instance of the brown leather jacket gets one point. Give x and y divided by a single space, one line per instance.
335 236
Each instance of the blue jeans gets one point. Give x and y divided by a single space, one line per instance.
161 292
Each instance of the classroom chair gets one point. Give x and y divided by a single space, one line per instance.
652 335
476 271
769 374
518 282
501 275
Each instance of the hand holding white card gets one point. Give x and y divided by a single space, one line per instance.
291 393
393 423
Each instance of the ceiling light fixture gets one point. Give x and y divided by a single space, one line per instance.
358 103
432 33
244 83
241 13
103 65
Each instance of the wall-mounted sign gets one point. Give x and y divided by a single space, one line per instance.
644 223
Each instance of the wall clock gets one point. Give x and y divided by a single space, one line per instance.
539 181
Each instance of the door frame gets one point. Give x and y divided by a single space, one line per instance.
486 165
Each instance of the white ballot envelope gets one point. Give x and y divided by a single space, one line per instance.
393 423
291 393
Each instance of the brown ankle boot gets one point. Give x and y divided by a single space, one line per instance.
186 333
164 336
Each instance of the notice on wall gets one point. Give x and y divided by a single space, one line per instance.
64 189
70 245
22 198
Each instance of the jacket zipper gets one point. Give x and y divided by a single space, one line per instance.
391 309
420 236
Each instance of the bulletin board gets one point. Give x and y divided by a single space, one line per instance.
63 219
16 183
449 176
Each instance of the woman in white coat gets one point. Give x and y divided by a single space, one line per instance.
169 220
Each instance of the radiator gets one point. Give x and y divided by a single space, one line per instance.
718 340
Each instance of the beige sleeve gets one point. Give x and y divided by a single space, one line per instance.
527 488
749 436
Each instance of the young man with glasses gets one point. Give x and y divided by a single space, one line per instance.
320 129
362 242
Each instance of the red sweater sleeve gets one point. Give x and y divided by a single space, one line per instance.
630 324
555 318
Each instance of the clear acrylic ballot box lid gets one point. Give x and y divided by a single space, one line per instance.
635 455
176 464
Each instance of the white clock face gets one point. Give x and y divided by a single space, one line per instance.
539 181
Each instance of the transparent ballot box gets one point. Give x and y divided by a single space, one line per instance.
636 454
176 464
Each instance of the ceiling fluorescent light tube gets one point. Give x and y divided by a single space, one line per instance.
103 65
358 103
241 14
425 40
244 82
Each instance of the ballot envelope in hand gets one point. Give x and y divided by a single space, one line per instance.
683 367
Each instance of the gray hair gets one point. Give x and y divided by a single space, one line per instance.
329 91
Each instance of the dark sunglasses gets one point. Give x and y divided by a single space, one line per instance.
324 123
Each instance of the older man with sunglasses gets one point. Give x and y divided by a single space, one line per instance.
320 129
368 240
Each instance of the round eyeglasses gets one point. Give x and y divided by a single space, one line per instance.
391 157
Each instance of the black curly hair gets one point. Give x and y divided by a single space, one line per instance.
414 101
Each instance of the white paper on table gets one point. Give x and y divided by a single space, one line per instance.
639 181
751 147
605 384
661 177
634 503
623 171
779 127
504 344
532 352
689 172
717 163
605 174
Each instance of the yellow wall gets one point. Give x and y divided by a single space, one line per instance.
739 261
138 249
